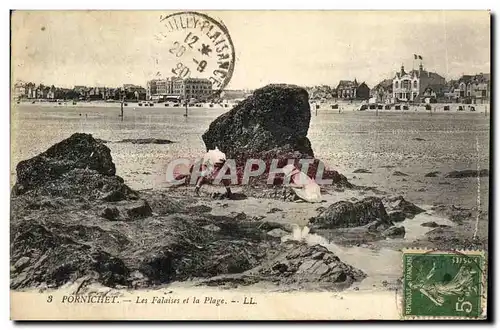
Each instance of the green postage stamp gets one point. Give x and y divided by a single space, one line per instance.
444 284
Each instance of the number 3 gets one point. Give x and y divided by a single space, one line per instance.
466 304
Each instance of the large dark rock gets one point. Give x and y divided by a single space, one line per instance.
345 214
275 120
79 151
270 124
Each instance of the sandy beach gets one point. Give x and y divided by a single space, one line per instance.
412 143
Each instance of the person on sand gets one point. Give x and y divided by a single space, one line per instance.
302 185
212 163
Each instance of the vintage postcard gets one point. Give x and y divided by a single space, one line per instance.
249 165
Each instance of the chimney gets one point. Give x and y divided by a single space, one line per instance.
402 69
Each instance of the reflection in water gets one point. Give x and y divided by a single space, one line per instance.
382 263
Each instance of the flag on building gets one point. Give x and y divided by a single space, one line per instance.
415 56
420 57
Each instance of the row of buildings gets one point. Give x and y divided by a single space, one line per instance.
345 90
422 86
159 90
417 85
29 91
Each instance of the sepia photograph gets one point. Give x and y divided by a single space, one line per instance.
249 164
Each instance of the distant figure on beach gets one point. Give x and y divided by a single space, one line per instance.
212 163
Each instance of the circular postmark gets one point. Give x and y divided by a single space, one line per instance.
196 49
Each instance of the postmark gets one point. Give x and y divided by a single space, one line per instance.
441 284
196 46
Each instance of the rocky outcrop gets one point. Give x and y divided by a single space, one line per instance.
433 224
271 124
432 174
396 216
80 151
399 204
84 222
454 213
361 170
398 173
394 232
275 119
298 264
345 214
468 174
78 167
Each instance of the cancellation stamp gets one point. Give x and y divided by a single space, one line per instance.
443 284
197 46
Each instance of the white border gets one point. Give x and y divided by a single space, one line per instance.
212 4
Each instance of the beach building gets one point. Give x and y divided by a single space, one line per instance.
352 90
382 92
190 88
410 86
20 90
474 88
199 89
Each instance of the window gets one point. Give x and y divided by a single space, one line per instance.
415 84
396 85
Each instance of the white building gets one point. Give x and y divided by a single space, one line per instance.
410 86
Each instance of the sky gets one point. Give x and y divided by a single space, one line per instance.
111 48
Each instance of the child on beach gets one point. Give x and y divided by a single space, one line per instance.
212 163
302 185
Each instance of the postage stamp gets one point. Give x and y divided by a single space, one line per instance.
443 284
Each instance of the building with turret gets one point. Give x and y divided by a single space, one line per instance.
410 86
